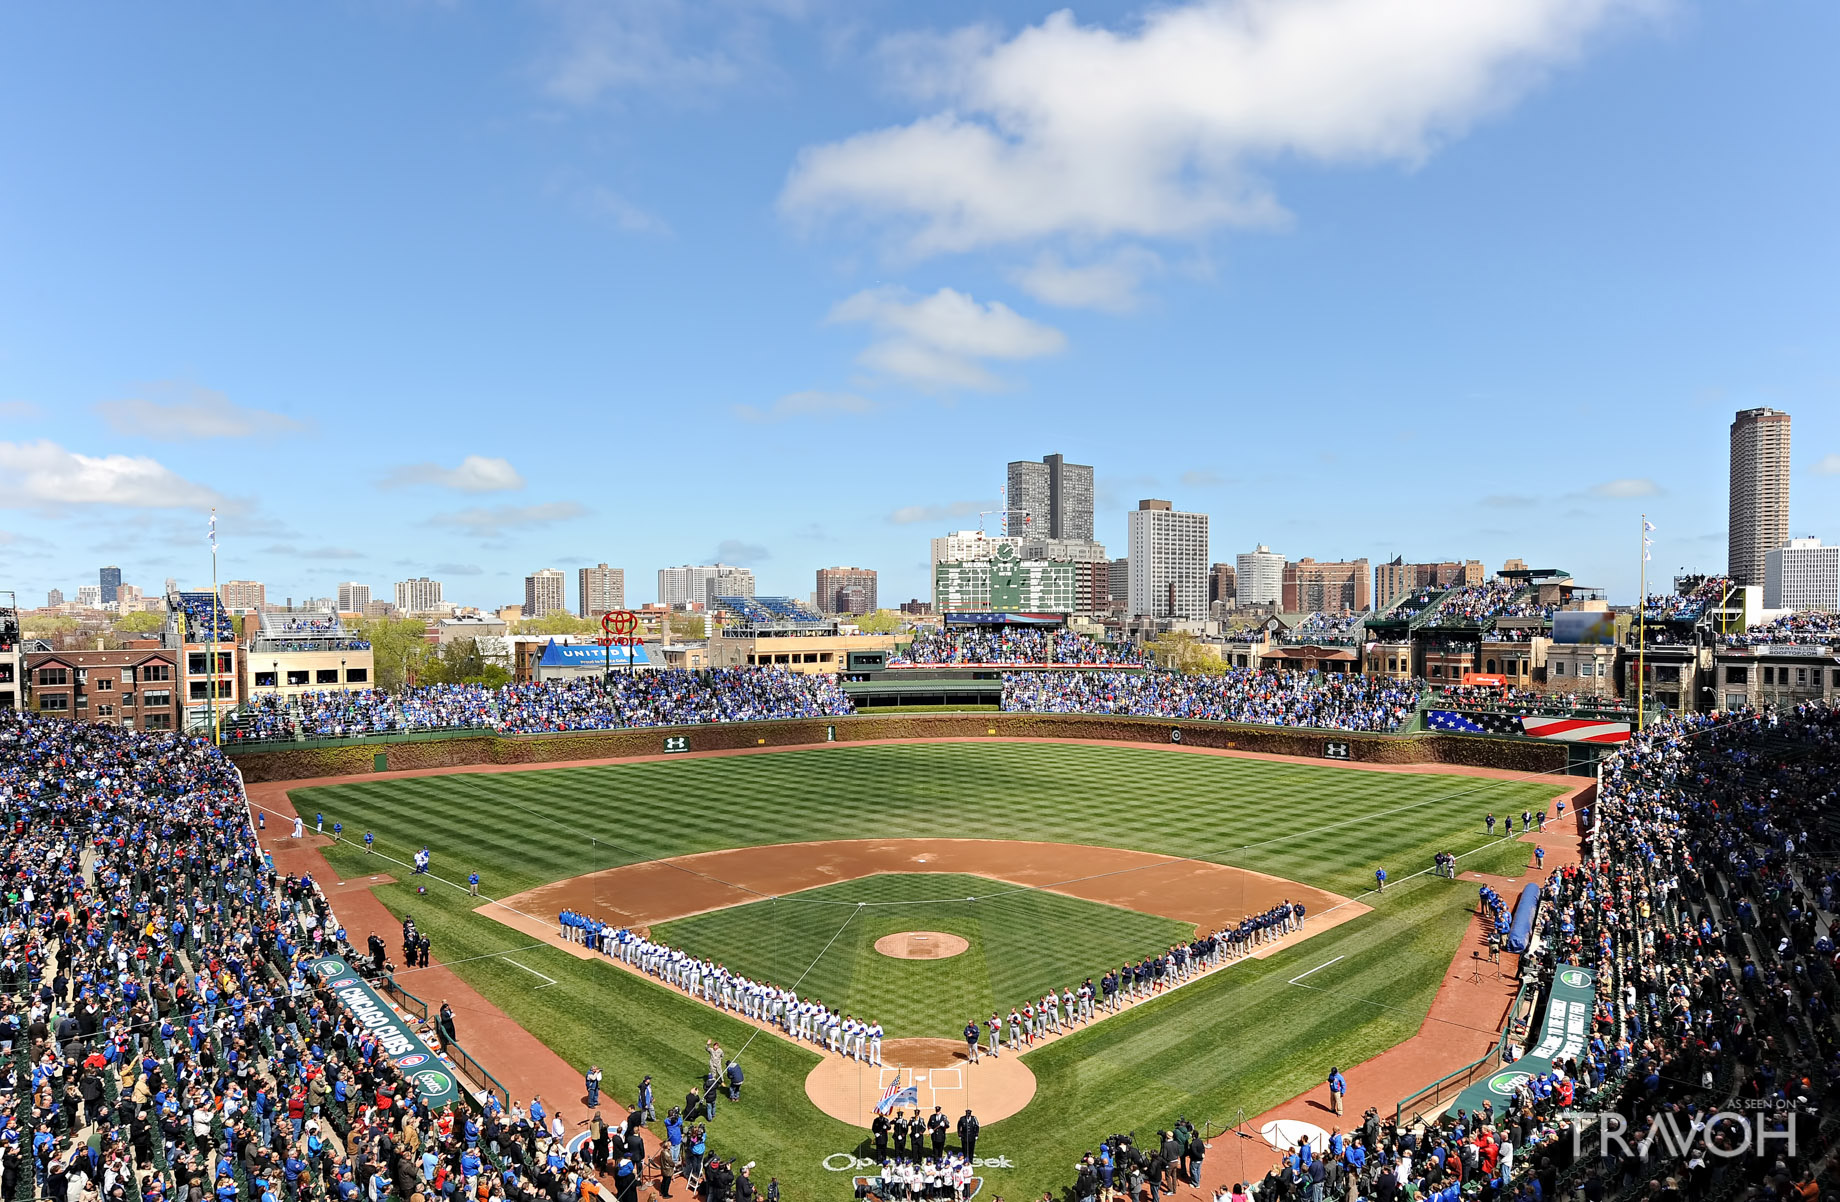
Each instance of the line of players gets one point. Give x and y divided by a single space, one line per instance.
809 1019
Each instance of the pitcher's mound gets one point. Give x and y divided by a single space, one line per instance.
921 945
992 1089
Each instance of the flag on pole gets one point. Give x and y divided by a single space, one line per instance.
1648 543
214 530
898 1095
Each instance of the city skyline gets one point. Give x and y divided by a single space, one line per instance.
1376 299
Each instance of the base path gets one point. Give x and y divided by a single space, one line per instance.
993 1088
922 945
1205 895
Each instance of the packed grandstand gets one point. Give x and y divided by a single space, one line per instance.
1703 905
1012 645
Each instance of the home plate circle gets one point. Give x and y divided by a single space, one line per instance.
1285 1134
924 1073
921 945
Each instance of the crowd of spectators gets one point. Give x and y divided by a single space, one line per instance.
1011 645
1328 700
1689 606
1486 602
1416 602
1809 627
1321 627
160 1034
206 619
1520 701
645 699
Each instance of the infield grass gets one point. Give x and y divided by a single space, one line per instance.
1022 943
1240 1039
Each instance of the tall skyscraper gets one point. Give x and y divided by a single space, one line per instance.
110 581
728 581
54 598
1050 499
599 590
1759 492
354 598
545 592
1261 576
846 590
1223 583
420 595
1169 561
1118 578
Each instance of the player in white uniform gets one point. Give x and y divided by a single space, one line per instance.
875 1043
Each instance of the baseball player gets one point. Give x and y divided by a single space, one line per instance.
875 1043
996 1033
1015 1030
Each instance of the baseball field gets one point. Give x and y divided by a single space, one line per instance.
1051 862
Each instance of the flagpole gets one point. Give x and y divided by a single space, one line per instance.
1642 627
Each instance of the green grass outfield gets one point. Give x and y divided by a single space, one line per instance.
1023 943
1242 1039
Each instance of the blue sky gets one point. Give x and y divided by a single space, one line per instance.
467 290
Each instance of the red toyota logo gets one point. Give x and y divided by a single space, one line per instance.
620 622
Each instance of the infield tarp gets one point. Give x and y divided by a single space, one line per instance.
1520 930
435 1082
1564 1033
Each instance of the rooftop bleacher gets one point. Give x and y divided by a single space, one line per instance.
769 611
205 618
305 630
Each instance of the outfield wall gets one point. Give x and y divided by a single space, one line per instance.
361 758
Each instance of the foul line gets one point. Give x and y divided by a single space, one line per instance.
547 981
1300 976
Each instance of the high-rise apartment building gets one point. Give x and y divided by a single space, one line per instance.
89 595
1759 492
846 591
243 596
354 598
1169 561
110 581
689 584
1802 574
1223 583
1339 587
545 592
1050 499
54 598
1395 578
418 596
1118 579
599 590
1261 576
728 581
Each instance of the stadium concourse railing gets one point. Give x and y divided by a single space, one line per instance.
463 1060
1443 1091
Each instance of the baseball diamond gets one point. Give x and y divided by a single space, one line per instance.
677 848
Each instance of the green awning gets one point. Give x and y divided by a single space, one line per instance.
1564 1033
434 1081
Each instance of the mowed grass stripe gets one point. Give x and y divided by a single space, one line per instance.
1272 817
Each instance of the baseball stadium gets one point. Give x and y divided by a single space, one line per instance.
926 871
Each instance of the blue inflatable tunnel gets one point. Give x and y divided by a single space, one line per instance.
1520 931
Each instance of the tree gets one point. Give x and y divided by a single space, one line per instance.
559 622
48 626
399 648
1183 652
457 663
882 621
143 622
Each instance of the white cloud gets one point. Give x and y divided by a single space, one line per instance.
741 554
492 521
45 475
1627 487
628 216
1157 130
200 413
938 341
1826 465
1109 284
808 403
475 473
606 47
907 515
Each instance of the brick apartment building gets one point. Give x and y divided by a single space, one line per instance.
134 688
1339 587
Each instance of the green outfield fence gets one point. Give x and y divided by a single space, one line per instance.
1444 1090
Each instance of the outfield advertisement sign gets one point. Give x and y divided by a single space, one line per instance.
1563 1036
434 1080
